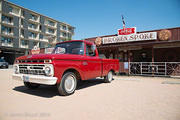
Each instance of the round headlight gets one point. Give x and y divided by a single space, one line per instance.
47 71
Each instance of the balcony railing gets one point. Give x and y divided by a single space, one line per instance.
9 23
44 40
34 29
7 44
22 36
34 38
24 46
8 34
52 26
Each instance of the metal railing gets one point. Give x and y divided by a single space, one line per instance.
154 68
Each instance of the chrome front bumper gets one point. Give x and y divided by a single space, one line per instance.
35 79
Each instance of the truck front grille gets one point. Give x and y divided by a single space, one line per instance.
34 69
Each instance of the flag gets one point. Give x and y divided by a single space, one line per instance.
123 22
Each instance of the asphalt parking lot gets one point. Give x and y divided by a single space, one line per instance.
126 98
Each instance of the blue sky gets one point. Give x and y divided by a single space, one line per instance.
103 17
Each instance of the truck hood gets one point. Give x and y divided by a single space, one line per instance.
49 56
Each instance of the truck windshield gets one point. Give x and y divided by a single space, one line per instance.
76 47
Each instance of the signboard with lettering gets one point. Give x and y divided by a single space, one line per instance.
48 50
130 38
127 31
35 50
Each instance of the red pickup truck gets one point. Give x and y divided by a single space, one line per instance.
70 62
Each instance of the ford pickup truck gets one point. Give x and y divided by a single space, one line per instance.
70 62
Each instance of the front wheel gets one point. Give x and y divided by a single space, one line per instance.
68 84
31 85
109 77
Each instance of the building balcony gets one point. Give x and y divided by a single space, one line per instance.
7 44
49 33
34 20
8 23
44 40
33 38
24 46
63 30
15 13
50 26
33 29
8 34
22 36
63 37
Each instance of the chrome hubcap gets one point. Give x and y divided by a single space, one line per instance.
70 83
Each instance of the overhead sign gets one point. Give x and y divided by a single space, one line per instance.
127 31
130 38
35 50
164 34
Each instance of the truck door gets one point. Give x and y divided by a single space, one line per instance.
93 66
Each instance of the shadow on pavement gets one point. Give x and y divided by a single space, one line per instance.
51 91
42 91
89 83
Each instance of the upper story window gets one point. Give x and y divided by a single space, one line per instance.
6 19
6 40
10 9
23 13
69 35
40 27
32 35
69 28
40 36
14 10
22 22
51 30
33 26
33 17
35 44
64 27
24 42
22 32
6 30
64 34
51 23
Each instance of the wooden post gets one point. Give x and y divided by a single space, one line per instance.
153 61
152 54
129 60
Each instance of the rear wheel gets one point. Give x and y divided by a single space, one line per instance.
68 84
31 85
109 77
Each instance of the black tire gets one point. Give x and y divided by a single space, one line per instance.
109 77
69 79
31 85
